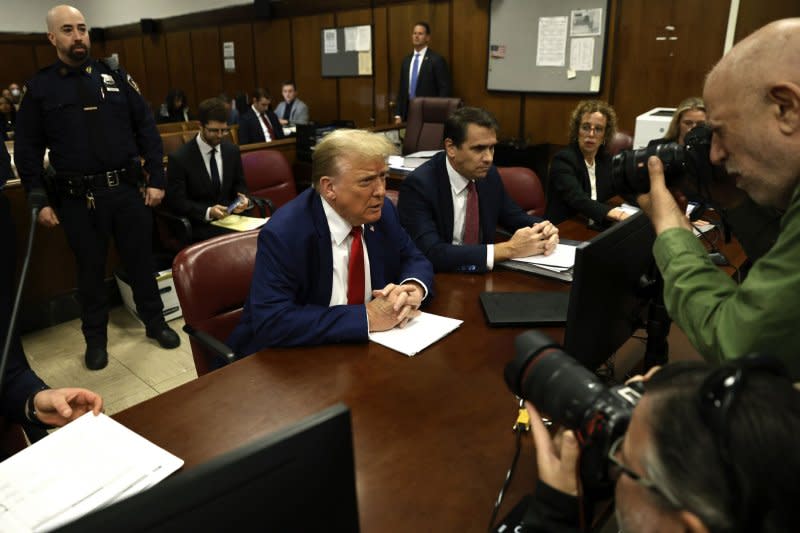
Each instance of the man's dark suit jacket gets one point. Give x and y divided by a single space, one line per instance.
433 79
568 188
426 211
189 190
290 293
250 130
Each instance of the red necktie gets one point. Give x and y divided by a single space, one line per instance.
269 126
471 219
355 269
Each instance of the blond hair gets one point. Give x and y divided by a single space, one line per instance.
690 104
355 145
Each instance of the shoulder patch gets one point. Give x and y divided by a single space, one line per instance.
133 84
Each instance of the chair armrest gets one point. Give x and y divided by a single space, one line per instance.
210 343
265 205
179 226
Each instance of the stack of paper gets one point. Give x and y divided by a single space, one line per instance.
88 464
557 265
418 334
411 161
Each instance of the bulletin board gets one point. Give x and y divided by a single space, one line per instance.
346 51
547 46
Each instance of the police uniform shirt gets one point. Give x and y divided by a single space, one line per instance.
54 113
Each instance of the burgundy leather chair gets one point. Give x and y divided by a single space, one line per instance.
212 280
525 188
425 123
268 175
621 141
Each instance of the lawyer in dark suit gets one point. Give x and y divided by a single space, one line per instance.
196 190
317 280
258 123
433 76
580 175
434 202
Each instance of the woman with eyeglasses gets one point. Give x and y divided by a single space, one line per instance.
580 175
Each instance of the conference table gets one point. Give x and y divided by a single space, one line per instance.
432 433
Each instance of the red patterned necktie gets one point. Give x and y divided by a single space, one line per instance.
355 269
269 126
471 219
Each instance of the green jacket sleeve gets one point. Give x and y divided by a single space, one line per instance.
724 320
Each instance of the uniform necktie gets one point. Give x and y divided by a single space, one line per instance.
212 164
412 88
471 218
268 126
355 269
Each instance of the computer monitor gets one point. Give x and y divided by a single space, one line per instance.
301 478
611 290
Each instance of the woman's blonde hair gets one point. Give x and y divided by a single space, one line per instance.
690 104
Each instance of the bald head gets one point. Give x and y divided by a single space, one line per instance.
68 32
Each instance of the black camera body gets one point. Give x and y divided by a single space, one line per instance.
629 168
569 394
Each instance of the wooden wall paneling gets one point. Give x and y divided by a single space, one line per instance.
356 93
650 71
381 66
272 45
113 46
756 13
470 39
244 78
18 63
44 54
318 92
401 25
181 69
207 60
154 49
135 61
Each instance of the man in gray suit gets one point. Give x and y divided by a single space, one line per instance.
292 110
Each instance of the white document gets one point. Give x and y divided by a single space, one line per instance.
418 334
364 64
329 41
228 49
424 153
561 259
363 38
350 35
629 209
552 43
88 464
581 54
586 21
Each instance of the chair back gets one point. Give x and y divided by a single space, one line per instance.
524 187
269 175
172 141
622 141
212 280
425 123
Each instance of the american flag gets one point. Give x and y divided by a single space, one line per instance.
498 51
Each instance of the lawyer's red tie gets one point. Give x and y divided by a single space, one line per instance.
268 125
355 269
471 218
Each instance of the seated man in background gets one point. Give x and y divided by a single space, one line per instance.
334 263
292 110
707 450
452 204
259 124
205 175
753 88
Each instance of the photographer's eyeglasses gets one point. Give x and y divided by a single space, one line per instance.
613 453
218 131
589 128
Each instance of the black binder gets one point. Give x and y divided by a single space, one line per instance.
525 308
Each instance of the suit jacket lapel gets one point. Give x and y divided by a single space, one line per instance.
323 296
199 163
445 199
371 234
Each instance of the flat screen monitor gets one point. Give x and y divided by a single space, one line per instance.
611 290
301 478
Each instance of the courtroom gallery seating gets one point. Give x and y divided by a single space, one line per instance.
212 280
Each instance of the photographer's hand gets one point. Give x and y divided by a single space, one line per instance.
556 458
659 203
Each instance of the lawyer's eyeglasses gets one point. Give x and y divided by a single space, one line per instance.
589 128
218 131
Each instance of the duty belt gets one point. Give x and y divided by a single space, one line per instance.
78 186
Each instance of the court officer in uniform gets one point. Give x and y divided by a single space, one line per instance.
92 117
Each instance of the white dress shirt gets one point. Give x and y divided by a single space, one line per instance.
205 151
458 190
592 178
261 118
340 246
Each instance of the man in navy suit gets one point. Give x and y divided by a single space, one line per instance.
259 123
334 263
452 204
196 189
422 73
